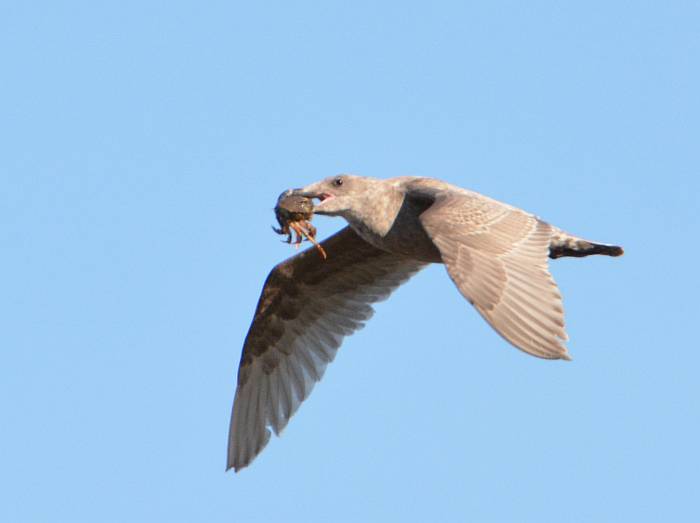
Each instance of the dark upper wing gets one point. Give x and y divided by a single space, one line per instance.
308 305
497 257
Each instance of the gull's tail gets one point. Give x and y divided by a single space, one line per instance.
564 244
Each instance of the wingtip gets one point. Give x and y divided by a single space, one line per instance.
230 466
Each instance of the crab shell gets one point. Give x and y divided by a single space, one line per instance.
293 208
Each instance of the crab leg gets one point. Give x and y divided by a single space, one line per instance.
298 226
300 233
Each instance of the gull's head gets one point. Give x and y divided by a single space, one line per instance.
339 195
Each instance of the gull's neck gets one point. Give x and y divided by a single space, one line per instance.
376 211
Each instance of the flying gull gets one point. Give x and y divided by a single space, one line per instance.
495 254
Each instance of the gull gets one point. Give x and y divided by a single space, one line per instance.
496 255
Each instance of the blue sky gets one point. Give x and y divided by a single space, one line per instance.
143 147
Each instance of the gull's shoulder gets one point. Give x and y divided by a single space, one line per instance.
428 186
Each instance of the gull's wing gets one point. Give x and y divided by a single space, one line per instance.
497 257
308 305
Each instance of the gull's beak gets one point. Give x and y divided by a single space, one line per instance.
311 191
305 194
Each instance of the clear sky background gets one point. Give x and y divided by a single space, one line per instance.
143 146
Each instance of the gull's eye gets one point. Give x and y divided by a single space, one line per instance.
338 181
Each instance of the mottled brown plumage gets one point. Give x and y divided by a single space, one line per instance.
494 253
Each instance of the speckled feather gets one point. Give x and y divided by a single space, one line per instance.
308 305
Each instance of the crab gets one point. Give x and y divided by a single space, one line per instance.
294 213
